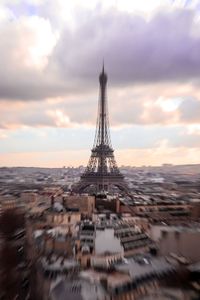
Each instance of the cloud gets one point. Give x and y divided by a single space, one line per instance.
40 61
49 113
21 114
25 45
135 50
3 134
77 110
136 137
190 110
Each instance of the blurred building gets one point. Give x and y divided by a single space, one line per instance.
85 204
180 240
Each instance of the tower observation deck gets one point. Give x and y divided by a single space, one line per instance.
102 171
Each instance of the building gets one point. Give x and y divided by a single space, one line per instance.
110 236
84 203
131 279
180 240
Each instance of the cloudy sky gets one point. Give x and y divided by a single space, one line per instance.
51 53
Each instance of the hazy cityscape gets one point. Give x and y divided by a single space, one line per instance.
107 245
99 195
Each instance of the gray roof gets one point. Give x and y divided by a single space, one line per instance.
78 289
153 266
63 291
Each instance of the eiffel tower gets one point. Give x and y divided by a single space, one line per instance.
102 171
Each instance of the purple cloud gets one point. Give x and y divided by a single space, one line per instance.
135 51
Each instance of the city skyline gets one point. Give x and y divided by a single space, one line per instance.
52 53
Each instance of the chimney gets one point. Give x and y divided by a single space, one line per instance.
63 201
52 201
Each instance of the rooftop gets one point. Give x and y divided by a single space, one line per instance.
57 263
178 228
77 289
145 266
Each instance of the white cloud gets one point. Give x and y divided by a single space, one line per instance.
3 134
41 43
168 105
193 129
5 14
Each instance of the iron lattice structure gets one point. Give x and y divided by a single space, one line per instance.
102 170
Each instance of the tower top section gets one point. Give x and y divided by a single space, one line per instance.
103 77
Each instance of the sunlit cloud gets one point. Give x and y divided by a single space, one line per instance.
60 119
38 50
3 134
193 129
169 104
